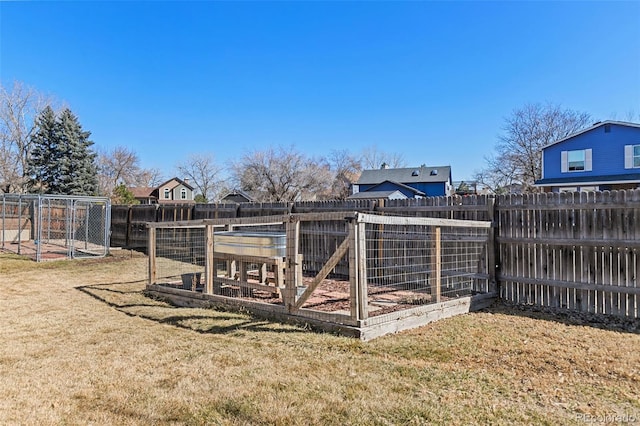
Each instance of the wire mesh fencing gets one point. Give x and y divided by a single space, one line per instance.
245 261
418 264
49 227
180 256
329 267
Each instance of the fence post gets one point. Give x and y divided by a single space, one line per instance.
353 271
363 311
436 265
4 203
291 275
209 262
231 264
152 255
358 269
19 223
492 247
38 229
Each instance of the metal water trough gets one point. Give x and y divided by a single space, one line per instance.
258 244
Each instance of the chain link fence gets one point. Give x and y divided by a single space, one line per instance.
50 227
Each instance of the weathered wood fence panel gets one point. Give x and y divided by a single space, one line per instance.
119 225
215 211
264 209
577 251
137 233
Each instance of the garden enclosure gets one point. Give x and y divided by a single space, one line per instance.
361 274
47 227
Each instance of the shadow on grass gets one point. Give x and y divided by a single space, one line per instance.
214 323
567 317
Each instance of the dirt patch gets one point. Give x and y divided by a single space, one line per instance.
606 322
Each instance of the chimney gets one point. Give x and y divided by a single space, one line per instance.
384 166
186 180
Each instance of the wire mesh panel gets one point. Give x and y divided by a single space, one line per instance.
318 241
17 225
180 256
88 225
48 227
408 265
247 261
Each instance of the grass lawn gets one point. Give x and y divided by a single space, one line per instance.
81 344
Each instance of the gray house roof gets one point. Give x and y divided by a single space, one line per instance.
594 126
376 195
238 195
426 174
399 185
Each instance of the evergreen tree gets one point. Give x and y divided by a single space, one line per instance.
44 156
122 195
78 170
61 160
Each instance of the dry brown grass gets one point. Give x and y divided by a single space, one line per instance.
81 344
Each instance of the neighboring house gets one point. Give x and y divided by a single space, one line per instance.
144 195
412 182
602 157
237 196
173 191
377 195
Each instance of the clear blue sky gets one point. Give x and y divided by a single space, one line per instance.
432 80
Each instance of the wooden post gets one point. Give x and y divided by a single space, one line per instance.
354 296
231 264
492 247
291 274
436 266
209 262
363 311
151 248
262 273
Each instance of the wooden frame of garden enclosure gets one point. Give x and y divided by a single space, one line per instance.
359 274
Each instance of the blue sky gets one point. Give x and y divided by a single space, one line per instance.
431 80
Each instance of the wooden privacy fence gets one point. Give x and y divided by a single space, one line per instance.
579 251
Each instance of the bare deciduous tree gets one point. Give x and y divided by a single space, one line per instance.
121 165
204 174
19 106
282 175
373 158
346 170
496 177
149 178
519 151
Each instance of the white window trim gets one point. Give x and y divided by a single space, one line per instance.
183 194
588 161
167 194
628 156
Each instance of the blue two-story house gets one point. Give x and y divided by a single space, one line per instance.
602 157
411 182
